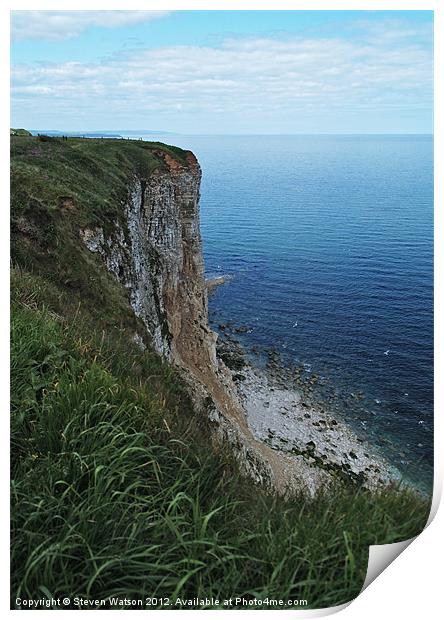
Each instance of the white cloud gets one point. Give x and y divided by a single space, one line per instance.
55 25
243 75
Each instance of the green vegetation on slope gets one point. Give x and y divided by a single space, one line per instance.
61 186
19 132
116 489
93 173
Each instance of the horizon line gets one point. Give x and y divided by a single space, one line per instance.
176 133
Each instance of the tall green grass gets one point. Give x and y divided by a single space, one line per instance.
117 492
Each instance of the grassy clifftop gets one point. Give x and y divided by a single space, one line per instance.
19 132
116 490
92 173
59 186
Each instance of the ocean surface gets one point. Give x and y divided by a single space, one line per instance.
329 240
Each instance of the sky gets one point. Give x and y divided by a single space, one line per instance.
223 72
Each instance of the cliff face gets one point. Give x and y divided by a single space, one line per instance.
156 254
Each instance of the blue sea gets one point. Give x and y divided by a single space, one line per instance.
329 240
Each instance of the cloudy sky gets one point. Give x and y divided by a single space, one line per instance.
223 71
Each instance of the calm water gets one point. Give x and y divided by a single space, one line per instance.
330 242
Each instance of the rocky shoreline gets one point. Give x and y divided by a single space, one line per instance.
281 414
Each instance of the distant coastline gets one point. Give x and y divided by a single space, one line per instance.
118 133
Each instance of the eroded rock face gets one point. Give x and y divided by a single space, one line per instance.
156 254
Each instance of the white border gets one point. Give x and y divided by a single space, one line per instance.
409 588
